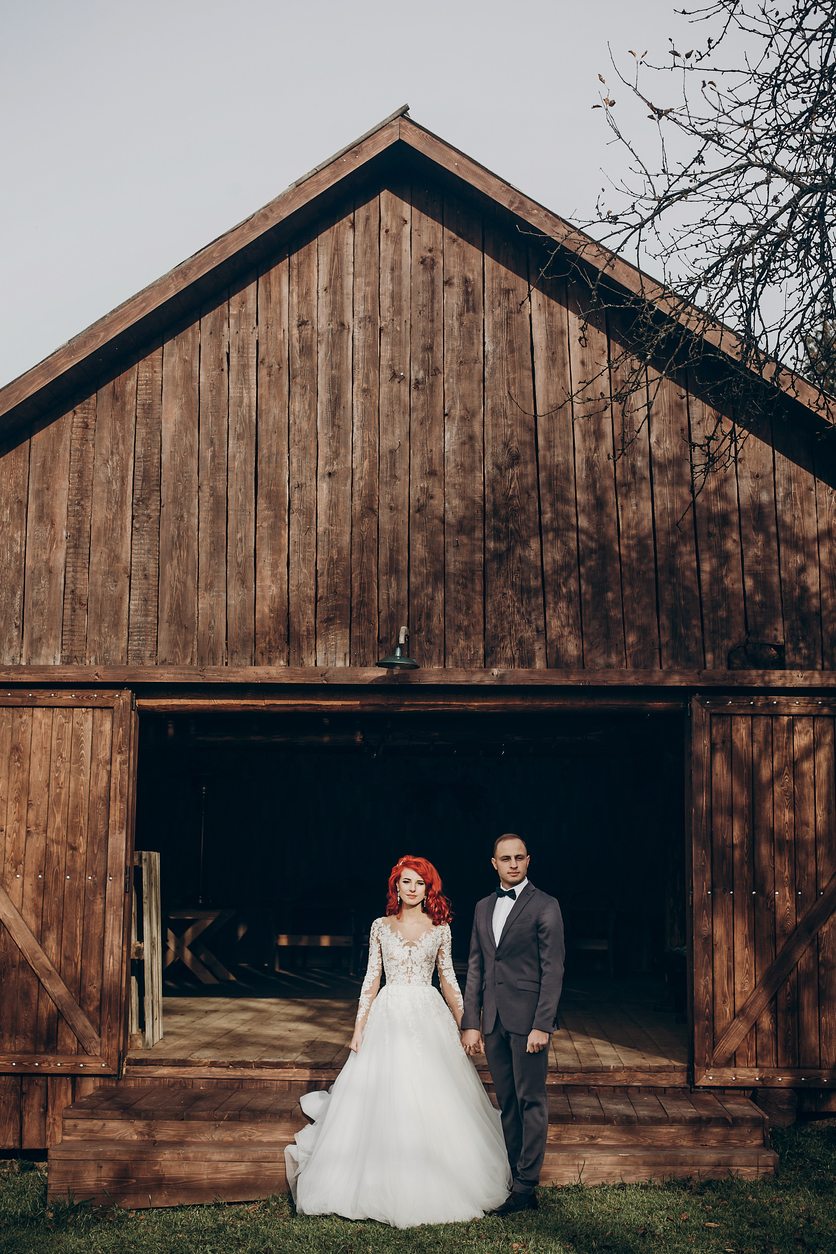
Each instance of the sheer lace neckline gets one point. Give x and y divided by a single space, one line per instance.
410 944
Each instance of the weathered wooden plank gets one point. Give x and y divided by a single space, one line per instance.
12 964
33 1111
703 944
743 913
9 1112
759 537
214 439
271 625
426 430
600 572
365 437
786 1008
806 890
98 811
302 320
145 543
718 534
826 521
763 882
676 557
514 610
395 368
795 503
243 371
46 542
634 496
59 1094
75 884
335 280
556 465
14 492
54 875
110 525
464 419
26 901
79 511
825 817
177 627
119 857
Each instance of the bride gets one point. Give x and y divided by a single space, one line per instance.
406 1134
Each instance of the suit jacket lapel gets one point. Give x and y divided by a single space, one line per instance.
516 910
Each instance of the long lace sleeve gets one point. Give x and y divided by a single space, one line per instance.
371 981
447 976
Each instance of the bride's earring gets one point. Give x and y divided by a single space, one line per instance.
398 891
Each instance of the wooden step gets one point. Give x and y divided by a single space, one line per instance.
574 1164
162 1145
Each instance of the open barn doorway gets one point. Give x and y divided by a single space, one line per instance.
277 830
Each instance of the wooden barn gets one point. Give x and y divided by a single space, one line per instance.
361 409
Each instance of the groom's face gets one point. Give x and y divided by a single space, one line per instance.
510 862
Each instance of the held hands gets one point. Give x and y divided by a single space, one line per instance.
537 1040
472 1042
356 1040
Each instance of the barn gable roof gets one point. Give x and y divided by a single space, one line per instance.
98 348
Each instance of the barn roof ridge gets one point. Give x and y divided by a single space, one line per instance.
91 352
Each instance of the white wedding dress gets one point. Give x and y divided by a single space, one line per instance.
406 1134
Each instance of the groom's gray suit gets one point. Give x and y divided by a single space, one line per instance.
512 988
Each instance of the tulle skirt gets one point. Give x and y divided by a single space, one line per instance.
406 1135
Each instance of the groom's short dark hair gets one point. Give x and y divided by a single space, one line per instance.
509 836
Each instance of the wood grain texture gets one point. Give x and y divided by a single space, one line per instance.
145 543
177 631
826 523
825 803
212 484
54 879
702 908
335 281
743 920
722 874
786 1008
14 493
271 541
634 495
718 536
514 611
807 890
46 542
556 464
759 537
763 882
600 574
302 321
365 435
677 582
795 505
464 422
79 510
426 433
241 463
9 1112
75 883
395 370
110 525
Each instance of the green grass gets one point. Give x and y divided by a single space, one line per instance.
796 1211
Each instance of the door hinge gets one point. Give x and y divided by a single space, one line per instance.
127 879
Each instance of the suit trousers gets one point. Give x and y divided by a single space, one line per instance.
520 1082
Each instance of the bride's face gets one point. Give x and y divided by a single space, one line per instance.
411 887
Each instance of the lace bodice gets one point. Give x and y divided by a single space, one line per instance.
408 962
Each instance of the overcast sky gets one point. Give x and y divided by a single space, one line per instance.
135 133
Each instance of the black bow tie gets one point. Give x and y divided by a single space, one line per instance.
507 892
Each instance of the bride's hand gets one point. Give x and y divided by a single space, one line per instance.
356 1040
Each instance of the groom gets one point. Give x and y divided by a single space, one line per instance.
514 978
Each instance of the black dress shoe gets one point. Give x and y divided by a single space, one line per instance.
516 1202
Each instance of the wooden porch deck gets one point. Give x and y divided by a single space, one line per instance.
610 1031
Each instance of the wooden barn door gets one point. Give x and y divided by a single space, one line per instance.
66 793
764 891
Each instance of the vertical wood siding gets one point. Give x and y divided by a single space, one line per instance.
400 419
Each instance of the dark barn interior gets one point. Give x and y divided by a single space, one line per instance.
294 821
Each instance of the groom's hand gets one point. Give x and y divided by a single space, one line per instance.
537 1040
472 1041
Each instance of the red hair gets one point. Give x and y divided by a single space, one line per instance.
435 903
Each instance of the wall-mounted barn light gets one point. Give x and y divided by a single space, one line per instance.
399 661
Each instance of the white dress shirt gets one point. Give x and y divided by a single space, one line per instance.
503 907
